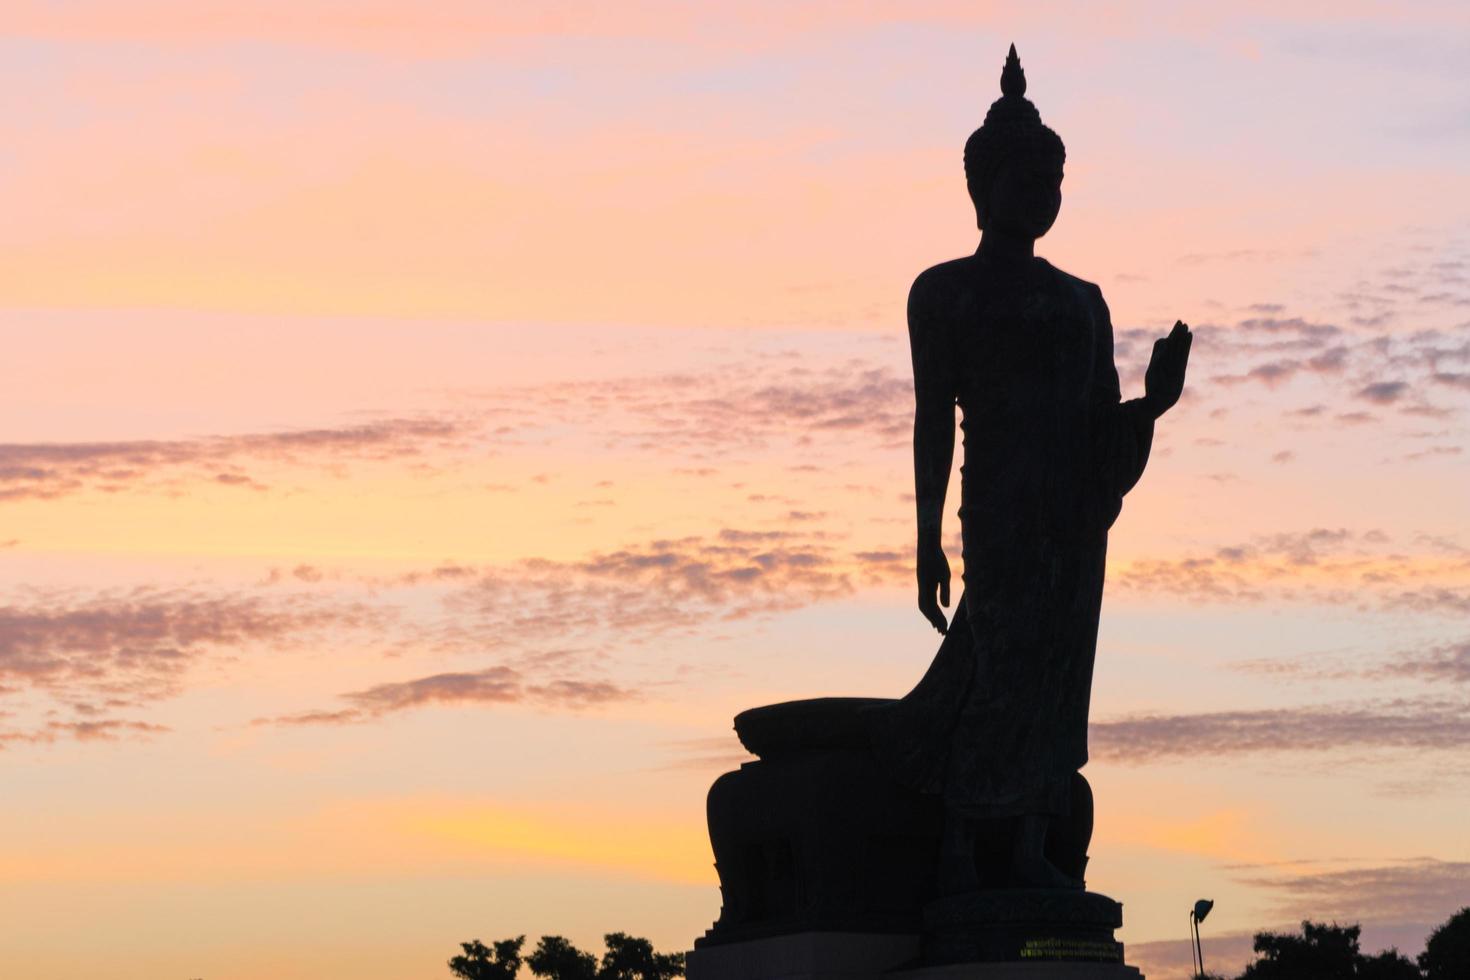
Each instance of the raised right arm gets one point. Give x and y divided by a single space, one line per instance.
934 402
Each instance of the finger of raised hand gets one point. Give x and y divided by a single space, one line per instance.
1183 356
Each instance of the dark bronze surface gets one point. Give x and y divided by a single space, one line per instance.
958 809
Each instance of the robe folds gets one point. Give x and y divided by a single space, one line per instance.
998 725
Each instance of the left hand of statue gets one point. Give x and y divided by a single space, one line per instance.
1164 381
933 574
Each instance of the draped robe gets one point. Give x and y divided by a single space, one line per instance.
999 723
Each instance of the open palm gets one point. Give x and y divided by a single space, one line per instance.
1164 381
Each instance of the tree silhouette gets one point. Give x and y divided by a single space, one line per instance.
1323 952
1446 955
555 958
1388 965
631 958
480 962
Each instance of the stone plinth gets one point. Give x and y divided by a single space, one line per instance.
1020 925
829 868
869 956
1020 971
805 956
812 838
816 837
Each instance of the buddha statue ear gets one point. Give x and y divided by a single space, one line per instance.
980 186
979 198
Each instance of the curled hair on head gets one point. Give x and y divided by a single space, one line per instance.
1012 131
984 154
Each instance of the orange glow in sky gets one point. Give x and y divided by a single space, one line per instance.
424 426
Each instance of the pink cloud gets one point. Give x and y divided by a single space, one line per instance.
1424 890
49 470
139 645
109 730
1423 723
492 685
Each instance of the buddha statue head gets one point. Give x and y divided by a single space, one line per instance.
1013 163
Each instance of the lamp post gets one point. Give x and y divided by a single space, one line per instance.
1196 916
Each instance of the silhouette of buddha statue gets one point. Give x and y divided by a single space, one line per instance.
999 724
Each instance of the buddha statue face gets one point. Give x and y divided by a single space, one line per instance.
1022 198
1013 163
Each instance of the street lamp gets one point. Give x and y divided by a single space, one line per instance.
1196 916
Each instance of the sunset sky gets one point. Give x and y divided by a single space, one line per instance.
425 425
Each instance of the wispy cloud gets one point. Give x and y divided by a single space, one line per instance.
1421 890
761 403
551 626
492 685
1447 662
1418 723
1397 347
551 623
633 595
1383 392
1365 569
1433 664
108 730
136 646
50 470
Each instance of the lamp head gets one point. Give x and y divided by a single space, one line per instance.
1202 909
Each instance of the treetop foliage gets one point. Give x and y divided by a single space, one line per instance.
1319 952
481 962
1330 952
555 958
1446 955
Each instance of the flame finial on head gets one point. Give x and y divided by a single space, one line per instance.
1012 129
1012 77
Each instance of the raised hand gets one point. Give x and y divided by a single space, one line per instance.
933 578
1164 381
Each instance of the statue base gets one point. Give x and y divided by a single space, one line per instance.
1023 925
1020 971
829 867
869 956
805 956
